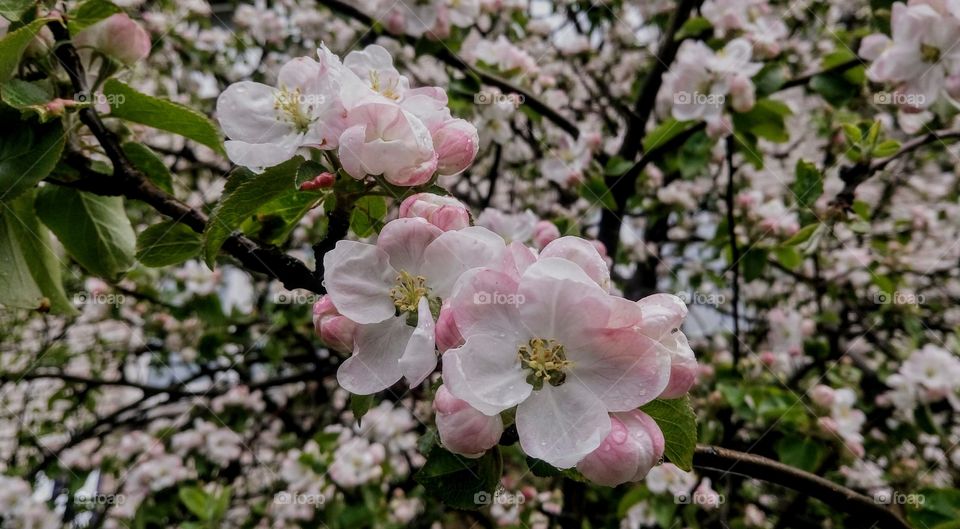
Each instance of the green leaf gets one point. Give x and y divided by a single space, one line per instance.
95 230
168 243
276 220
802 235
12 46
44 265
665 132
17 286
678 422
196 500
617 166
542 469
29 271
693 27
754 262
28 97
595 191
808 184
460 482
28 152
89 13
852 132
360 405
145 159
765 120
939 506
243 195
367 215
800 452
789 257
13 10
886 148
126 103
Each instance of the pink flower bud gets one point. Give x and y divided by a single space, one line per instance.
322 180
446 213
827 424
742 94
335 330
822 395
768 358
456 143
464 430
544 233
118 36
633 446
448 335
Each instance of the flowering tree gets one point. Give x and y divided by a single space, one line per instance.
459 263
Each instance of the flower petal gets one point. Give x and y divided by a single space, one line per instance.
420 357
405 241
561 424
481 304
455 252
485 372
358 277
375 365
622 367
560 302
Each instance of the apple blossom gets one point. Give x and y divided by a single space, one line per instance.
393 289
564 369
267 125
923 52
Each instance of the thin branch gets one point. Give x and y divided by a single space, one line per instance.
864 510
454 60
130 182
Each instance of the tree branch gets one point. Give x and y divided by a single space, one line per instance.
132 183
866 512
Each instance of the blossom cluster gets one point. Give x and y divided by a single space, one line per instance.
362 108
538 332
920 59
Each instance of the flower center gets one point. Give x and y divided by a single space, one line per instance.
386 89
408 291
546 360
930 54
288 104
